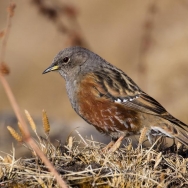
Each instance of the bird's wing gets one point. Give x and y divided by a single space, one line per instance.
117 86
121 89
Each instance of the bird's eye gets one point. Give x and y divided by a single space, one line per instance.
66 59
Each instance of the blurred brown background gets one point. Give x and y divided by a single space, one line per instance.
147 39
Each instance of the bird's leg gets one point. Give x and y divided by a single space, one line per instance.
154 135
173 147
112 142
161 143
117 144
150 137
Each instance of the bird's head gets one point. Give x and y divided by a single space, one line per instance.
68 61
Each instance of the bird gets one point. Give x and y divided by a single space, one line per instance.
107 98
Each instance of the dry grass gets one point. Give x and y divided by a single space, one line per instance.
82 163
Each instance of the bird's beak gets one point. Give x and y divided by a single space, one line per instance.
51 68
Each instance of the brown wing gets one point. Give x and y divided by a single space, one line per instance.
147 104
116 95
120 88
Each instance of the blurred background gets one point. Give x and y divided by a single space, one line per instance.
146 39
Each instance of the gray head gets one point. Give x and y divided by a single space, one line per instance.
69 61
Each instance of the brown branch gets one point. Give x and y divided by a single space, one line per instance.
146 42
10 14
26 135
15 106
58 13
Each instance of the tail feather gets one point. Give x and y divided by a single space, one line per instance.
180 131
182 136
176 128
175 121
173 131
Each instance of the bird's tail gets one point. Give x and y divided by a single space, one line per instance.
180 133
174 129
179 130
182 136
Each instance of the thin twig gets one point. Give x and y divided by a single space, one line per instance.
146 42
16 109
152 146
10 14
81 138
57 12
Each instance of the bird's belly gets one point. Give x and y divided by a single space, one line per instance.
108 117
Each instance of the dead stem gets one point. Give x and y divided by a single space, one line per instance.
146 42
58 12
15 106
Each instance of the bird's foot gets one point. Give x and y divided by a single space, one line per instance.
107 148
116 145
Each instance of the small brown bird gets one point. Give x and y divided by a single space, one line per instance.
108 99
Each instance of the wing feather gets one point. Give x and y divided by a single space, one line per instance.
118 87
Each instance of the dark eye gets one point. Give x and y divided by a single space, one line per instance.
65 59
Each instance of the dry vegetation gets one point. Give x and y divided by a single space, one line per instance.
26 137
82 163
